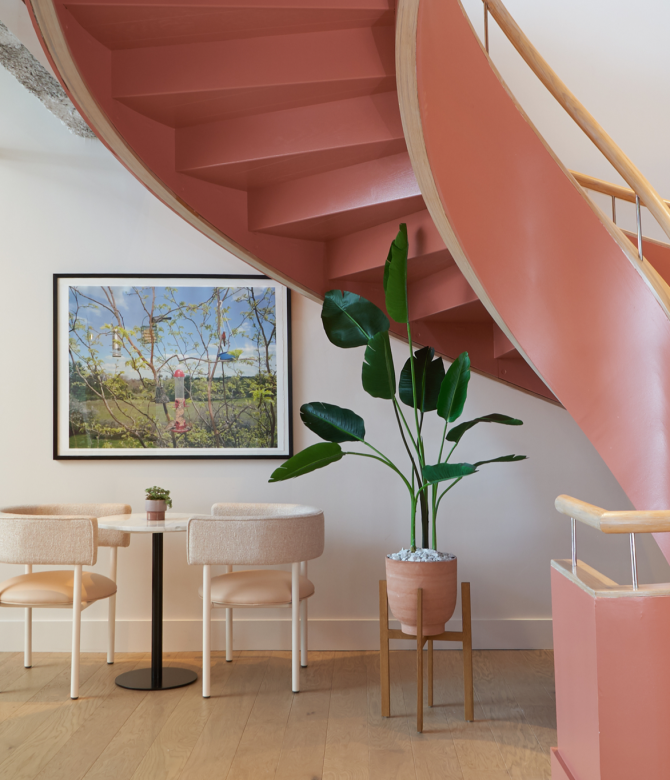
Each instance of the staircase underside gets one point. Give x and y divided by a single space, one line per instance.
273 127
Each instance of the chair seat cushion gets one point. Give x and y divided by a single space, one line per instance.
256 588
107 537
53 589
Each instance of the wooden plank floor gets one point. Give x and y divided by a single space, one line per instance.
253 727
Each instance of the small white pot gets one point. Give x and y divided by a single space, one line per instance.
156 510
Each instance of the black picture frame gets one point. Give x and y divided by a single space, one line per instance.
63 282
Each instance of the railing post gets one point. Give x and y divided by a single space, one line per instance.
639 227
573 530
633 561
614 209
486 27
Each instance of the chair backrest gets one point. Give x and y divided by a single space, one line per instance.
49 540
58 510
106 537
250 534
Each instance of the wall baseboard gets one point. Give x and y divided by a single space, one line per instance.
266 634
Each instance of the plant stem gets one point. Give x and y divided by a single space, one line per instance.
416 407
412 540
420 448
455 482
450 452
444 438
436 502
404 440
386 461
404 420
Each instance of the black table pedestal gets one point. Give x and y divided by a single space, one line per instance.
159 677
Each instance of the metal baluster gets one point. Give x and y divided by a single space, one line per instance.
633 560
614 209
573 528
639 227
486 27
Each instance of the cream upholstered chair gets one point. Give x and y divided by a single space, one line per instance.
106 538
256 534
53 541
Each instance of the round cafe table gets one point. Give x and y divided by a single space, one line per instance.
158 677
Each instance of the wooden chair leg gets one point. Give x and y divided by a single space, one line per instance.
419 660
467 652
76 633
295 627
207 630
384 672
111 608
430 672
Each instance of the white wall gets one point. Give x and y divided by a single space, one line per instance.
614 57
67 206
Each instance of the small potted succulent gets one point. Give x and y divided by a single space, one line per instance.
157 502
424 387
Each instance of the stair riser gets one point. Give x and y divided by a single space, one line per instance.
130 25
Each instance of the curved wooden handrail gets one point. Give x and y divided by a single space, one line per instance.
607 188
603 141
629 522
573 294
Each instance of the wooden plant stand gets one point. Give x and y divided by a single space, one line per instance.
464 636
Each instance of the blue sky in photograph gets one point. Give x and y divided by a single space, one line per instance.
196 344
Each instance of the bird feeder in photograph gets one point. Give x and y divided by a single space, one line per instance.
179 424
116 343
147 335
224 356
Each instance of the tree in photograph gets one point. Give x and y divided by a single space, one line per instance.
230 404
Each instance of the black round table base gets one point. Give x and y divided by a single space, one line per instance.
140 679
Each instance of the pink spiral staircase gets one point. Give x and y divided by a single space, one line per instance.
274 127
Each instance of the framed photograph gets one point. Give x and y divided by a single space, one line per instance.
171 367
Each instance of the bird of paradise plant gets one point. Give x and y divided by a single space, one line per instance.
349 321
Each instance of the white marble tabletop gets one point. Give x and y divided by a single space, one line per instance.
138 523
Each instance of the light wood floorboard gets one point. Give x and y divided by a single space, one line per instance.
254 728
347 755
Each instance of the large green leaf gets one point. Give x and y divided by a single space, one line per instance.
395 277
428 374
454 390
333 423
422 359
503 459
378 370
351 320
444 471
432 385
315 457
456 434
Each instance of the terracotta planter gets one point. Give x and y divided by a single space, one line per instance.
156 510
438 581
